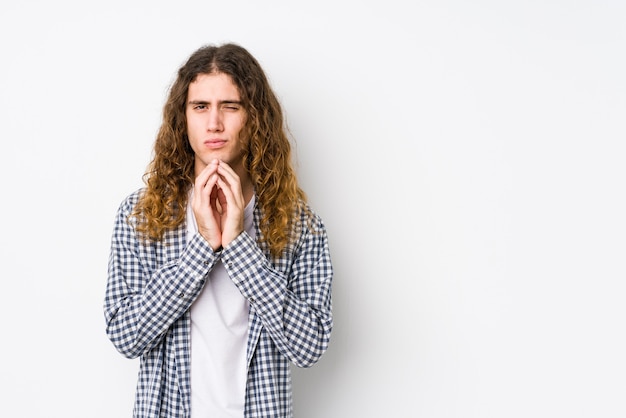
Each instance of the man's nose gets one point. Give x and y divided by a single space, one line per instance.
214 122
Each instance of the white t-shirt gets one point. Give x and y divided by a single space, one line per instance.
219 334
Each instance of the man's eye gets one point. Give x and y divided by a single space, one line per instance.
200 107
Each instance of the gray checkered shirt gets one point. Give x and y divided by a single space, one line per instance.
152 285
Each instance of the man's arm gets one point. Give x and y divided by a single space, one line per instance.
143 299
295 310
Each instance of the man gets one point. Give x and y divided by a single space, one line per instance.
220 273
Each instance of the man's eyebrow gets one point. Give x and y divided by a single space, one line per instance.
204 102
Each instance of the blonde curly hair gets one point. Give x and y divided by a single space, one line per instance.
266 152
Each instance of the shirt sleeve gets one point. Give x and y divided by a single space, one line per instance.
143 298
294 307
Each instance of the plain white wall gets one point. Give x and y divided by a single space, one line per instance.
467 158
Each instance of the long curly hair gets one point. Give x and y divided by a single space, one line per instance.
266 152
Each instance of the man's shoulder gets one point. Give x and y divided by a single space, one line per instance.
129 202
307 211
135 195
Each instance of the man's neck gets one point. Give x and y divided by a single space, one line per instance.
246 188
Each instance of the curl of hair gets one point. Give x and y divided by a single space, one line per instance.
266 152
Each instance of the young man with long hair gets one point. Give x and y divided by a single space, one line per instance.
219 274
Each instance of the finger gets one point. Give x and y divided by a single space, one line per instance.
228 173
214 198
204 176
226 191
206 172
231 180
222 199
204 193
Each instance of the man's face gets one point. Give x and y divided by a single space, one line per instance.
215 117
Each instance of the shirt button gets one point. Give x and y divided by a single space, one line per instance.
181 294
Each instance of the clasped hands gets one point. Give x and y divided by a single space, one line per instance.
218 204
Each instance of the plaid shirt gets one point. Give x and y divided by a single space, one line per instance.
151 287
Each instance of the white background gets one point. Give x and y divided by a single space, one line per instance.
467 158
